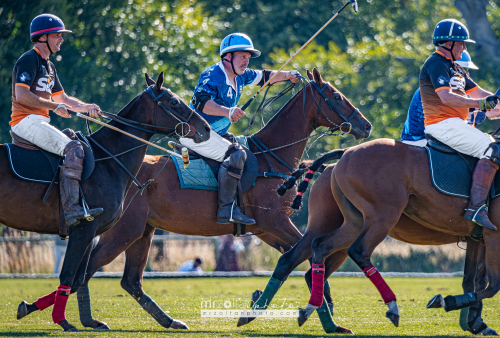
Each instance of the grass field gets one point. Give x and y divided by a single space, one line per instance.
357 306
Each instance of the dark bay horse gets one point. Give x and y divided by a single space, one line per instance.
21 205
378 184
168 207
325 217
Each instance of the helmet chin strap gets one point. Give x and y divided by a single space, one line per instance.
451 51
231 62
47 43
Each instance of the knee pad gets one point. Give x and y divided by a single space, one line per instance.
495 152
236 161
73 161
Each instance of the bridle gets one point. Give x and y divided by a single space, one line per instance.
332 108
185 128
263 149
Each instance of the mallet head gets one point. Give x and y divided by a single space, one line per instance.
354 4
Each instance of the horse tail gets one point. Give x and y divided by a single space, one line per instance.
316 166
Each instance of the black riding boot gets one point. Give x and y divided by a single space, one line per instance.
483 176
229 173
69 184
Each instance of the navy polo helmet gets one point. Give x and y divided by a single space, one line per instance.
450 30
46 24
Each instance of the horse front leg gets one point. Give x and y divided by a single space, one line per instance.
76 259
136 260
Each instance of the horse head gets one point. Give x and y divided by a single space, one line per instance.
168 110
334 110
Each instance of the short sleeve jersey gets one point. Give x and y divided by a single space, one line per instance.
440 73
413 129
215 83
40 77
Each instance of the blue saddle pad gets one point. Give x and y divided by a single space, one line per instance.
198 175
451 174
41 166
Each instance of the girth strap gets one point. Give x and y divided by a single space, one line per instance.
261 145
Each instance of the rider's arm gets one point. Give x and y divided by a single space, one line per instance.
27 98
479 93
454 100
77 105
212 108
283 76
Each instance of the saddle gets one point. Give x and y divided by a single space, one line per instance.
451 171
31 163
200 179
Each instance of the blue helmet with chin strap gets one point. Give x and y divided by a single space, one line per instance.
450 30
238 42
466 61
46 24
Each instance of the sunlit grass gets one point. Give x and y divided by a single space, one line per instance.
357 306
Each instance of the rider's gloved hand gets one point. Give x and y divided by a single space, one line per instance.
480 116
489 102
235 114
293 76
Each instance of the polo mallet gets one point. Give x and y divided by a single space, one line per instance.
354 6
184 156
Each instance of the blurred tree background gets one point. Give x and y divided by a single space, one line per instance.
373 57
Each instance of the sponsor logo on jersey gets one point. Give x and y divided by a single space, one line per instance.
442 80
24 77
45 85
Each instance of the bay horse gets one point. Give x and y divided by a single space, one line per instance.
166 206
376 185
22 208
324 216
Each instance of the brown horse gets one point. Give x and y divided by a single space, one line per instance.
378 184
324 217
21 205
168 207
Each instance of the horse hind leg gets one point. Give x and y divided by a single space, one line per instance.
136 260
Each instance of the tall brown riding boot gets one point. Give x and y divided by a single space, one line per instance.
483 176
229 174
69 184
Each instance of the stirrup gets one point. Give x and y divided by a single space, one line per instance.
475 212
231 219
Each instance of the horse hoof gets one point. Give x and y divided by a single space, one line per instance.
488 332
178 325
436 302
394 318
67 327
22 310
343 330
255 296
303 316
98 325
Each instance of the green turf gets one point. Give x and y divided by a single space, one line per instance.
357 306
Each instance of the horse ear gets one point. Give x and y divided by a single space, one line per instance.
149 80
159 82
317 76
309 75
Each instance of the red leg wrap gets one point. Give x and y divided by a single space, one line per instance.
44 302
62 295
385 291
318 281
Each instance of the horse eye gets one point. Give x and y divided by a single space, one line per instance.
173 102
337 96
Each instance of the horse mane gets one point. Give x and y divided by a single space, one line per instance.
285 106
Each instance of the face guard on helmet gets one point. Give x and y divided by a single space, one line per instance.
46 24
450 30
237 42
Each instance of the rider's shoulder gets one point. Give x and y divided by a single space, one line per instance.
213 73
30 55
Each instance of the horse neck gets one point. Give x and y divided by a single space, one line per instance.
286 127
116 143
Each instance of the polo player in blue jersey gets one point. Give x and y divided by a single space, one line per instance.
215 98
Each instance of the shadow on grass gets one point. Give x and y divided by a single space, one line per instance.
26 334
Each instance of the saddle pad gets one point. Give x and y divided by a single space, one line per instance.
30 165
452 175
198 175
40 165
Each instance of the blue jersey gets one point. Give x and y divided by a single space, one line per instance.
216 83
413 129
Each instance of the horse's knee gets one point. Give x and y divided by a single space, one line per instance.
356 255
134 288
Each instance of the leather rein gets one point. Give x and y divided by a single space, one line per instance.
263 149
